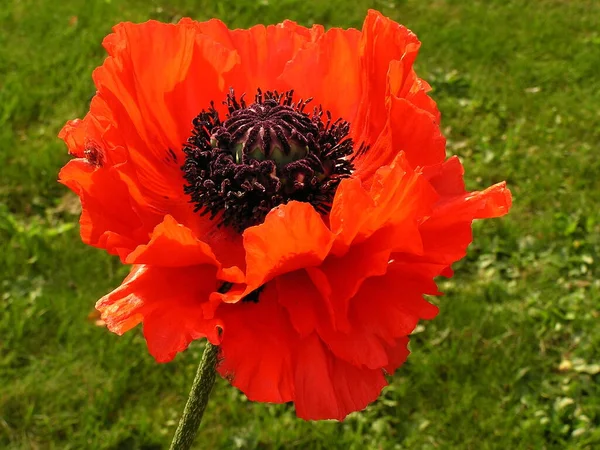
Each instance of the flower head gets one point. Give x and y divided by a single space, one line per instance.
281 191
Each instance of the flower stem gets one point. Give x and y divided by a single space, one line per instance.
197 401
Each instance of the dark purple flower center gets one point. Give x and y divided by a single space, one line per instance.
264 155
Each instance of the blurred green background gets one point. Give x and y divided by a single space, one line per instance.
512 361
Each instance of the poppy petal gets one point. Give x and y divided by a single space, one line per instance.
94 134
446 178
328 387
153 100
280 365
108 218
384 309
403 83
303 302
416 132
409 130
447 233
401 198
382 41
346 274
397 354
397 196
334 72
263 51
169 303
173 245
293 236
257 348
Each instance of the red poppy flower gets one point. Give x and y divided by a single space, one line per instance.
300 236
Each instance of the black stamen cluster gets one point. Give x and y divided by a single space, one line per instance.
264 155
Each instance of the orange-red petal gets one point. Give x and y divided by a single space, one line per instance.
385 219
304 304
384 309
396 196
447 233
293 236
397 354
382 42
173 245
109 217
153 100
169 303
263 51
168 290
257 348
328 387
264 356
334 77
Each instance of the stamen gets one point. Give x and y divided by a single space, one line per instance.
254 295
264 155
93 154
225 287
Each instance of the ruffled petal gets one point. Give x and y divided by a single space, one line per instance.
397 354
408 130
403 83
264 357
349 212
382 41
328 387
293 236
173 245
109 219
168 301
168 290
305 306
494 201
153 100
263 51
333 80
257 348
397 196
397 201
344 275
94 136
402 198
368 232
416 132
447 233
395 113
384 309
446 178
143 113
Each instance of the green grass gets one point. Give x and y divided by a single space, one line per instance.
510 363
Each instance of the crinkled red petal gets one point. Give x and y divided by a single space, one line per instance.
263 52
109 217
168 301
331 388
334 73
168 289
293 236
263 355
257 350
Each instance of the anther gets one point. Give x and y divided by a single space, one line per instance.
263 155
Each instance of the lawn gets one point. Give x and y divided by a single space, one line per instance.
511 362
